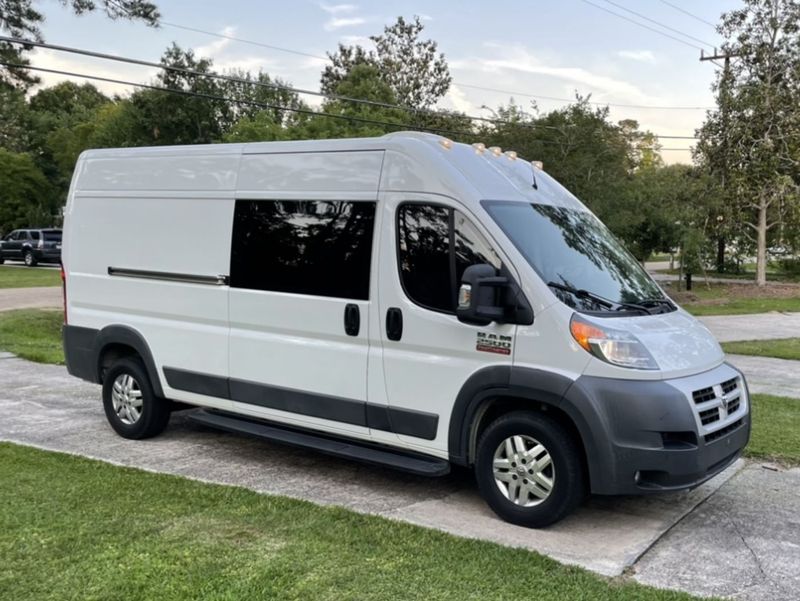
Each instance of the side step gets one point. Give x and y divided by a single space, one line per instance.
416 464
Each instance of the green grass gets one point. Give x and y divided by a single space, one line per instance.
73 528
33 334
735 299
784 348
776 429
28 277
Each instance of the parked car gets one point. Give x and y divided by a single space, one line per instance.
404 301
32 246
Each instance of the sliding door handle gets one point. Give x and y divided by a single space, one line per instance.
352 320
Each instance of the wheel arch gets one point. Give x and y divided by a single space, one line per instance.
115 339
494 391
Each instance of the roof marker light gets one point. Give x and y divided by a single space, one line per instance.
496 150
479 147
446 143
512 154
538 164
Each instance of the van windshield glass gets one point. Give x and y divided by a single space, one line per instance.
573 251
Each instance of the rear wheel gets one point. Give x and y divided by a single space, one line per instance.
529 469
29 259
131 406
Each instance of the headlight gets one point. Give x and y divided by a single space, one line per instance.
617 347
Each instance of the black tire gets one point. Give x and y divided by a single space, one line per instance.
154 413
2 260
29 259
566 468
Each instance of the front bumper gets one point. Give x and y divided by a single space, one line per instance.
649 436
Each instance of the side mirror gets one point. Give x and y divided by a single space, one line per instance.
486 296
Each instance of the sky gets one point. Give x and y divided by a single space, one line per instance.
540 51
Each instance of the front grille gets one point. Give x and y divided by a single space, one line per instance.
730 385
709 416
704 395
717 434
718 408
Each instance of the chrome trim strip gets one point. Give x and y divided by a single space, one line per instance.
184 278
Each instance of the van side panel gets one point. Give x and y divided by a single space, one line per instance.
169 218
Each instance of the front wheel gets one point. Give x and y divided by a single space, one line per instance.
131 406
529 469
29 259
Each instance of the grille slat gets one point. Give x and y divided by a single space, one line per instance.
709 416
723 431
730 385
715 406
704 395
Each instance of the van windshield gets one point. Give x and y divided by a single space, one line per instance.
574 252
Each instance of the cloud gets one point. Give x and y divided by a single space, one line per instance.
335 9
214 48
338 22
458 99
642 56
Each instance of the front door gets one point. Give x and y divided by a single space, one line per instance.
299 311
427 353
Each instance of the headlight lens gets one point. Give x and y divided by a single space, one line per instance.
617 347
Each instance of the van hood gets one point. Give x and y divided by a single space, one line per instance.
679 343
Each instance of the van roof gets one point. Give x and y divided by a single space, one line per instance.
469 172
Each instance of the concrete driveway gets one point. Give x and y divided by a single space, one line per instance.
43 406
30 298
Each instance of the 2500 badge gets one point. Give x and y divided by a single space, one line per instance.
493 343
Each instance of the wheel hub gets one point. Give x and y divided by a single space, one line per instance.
126 399
523 470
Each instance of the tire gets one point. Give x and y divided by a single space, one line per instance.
29 259
534 506
131 406
2 259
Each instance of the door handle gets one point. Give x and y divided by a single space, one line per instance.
394 324
352 320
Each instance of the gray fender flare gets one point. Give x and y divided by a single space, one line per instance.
126 335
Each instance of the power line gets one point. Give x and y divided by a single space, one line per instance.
686 12
464 85
659 23
653 29
275 86
261 104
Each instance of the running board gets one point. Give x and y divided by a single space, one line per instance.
416 464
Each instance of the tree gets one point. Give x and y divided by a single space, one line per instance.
754 134
411 67
20 19
26 197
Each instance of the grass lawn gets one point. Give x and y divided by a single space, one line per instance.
28 277
776 429
733 299
33 334
73 528
784 348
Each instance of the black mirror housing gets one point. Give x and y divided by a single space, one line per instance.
486 296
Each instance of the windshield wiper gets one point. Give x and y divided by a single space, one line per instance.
658 302
600 300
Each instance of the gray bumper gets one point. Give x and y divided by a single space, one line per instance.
648 436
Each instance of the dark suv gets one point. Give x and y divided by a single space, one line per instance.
32 246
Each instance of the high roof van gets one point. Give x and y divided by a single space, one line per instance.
403 300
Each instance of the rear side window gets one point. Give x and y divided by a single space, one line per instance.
52 236
319 248
435 245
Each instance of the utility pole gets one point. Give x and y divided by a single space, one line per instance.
724 110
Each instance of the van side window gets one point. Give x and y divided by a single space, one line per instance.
435 245
319 248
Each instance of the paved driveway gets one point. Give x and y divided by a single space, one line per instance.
42 406
758 326
30 298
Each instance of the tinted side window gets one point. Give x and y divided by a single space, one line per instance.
436 245
320 248
424 240
35 235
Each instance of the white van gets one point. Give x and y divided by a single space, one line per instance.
401 300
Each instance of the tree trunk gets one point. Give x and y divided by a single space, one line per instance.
721 254
761 250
